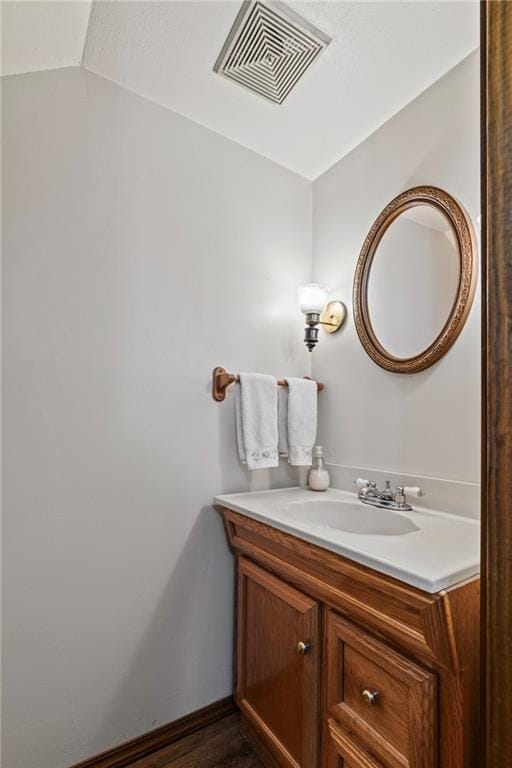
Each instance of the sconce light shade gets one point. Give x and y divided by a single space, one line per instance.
312 298
312 301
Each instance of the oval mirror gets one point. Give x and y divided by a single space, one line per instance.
415 280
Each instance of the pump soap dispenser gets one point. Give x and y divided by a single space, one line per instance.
318 478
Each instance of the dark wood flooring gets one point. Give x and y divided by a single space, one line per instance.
220 745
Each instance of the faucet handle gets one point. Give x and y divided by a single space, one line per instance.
413 490
361 482
400 495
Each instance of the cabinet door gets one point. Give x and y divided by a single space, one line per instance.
278 665
381 703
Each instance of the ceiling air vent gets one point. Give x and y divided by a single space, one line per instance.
269 48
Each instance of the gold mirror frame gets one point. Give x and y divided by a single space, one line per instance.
463 230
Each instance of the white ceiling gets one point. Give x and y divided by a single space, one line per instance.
382 55
42 35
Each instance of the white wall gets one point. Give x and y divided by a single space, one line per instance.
140 250
425 425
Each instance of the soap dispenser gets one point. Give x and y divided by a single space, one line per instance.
318 478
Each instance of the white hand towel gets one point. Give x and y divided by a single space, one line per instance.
282 420
256 420
302 418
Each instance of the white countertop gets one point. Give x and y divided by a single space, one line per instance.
435 550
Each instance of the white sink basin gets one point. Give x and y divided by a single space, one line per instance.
351 518
430 550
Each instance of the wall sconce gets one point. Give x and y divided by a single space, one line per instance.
312 302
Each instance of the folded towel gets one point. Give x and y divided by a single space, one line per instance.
256 420
302 416
282 420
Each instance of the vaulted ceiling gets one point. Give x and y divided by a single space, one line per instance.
42 35
382 55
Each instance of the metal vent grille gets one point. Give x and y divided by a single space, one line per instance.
269 48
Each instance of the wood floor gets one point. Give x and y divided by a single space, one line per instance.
220 745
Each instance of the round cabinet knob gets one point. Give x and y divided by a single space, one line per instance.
303 648
370 697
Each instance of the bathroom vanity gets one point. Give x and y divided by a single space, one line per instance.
356 646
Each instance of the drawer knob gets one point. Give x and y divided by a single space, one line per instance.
370 697
303 648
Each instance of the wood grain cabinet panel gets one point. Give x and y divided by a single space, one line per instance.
278 665
384 700
344 752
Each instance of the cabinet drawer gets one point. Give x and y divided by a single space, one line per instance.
345 752
385 701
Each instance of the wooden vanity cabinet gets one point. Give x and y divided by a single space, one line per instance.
338 666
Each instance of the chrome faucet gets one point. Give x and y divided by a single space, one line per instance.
388 498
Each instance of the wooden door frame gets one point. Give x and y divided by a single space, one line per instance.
496 110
